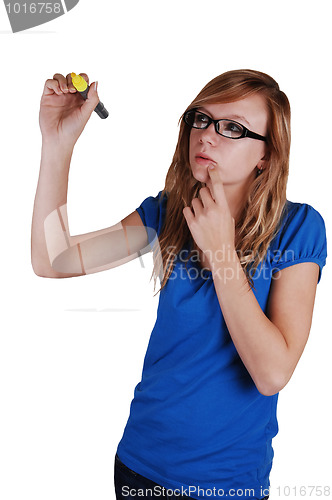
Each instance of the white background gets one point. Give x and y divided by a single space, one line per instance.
72 350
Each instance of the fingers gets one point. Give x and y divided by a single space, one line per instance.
91 102
206 196
217 187
70 83
188 215
52 87
61 84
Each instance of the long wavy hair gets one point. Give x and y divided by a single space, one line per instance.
262 211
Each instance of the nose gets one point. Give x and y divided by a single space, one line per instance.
209 135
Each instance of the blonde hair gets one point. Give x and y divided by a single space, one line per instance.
259 220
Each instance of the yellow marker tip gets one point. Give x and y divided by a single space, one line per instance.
78 82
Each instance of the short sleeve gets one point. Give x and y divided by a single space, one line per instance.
301 238
152 212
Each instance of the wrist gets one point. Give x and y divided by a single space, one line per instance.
226 266
222 257
56 151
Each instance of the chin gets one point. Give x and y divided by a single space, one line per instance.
200 175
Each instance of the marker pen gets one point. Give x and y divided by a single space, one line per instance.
83 88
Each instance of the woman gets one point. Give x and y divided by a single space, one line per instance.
238 265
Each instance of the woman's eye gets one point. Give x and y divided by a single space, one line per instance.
201 118
233 127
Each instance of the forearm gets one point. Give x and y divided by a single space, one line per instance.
259 343
51 194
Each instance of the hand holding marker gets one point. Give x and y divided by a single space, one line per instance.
83 88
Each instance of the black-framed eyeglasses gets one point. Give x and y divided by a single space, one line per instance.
226 128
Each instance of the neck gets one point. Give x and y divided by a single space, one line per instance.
236 195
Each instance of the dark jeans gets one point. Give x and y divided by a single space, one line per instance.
126 479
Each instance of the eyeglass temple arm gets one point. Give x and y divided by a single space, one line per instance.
253 135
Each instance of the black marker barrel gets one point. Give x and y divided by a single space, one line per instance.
83 88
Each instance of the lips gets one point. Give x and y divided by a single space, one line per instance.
204 156
204 159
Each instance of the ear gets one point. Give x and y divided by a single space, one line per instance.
262 164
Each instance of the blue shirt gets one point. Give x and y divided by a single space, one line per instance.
197 419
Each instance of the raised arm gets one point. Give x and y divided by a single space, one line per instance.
54 252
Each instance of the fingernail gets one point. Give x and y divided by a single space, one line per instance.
211 167
96 84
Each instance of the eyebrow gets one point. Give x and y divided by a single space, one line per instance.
235 117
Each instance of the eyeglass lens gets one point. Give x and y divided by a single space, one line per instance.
226 128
